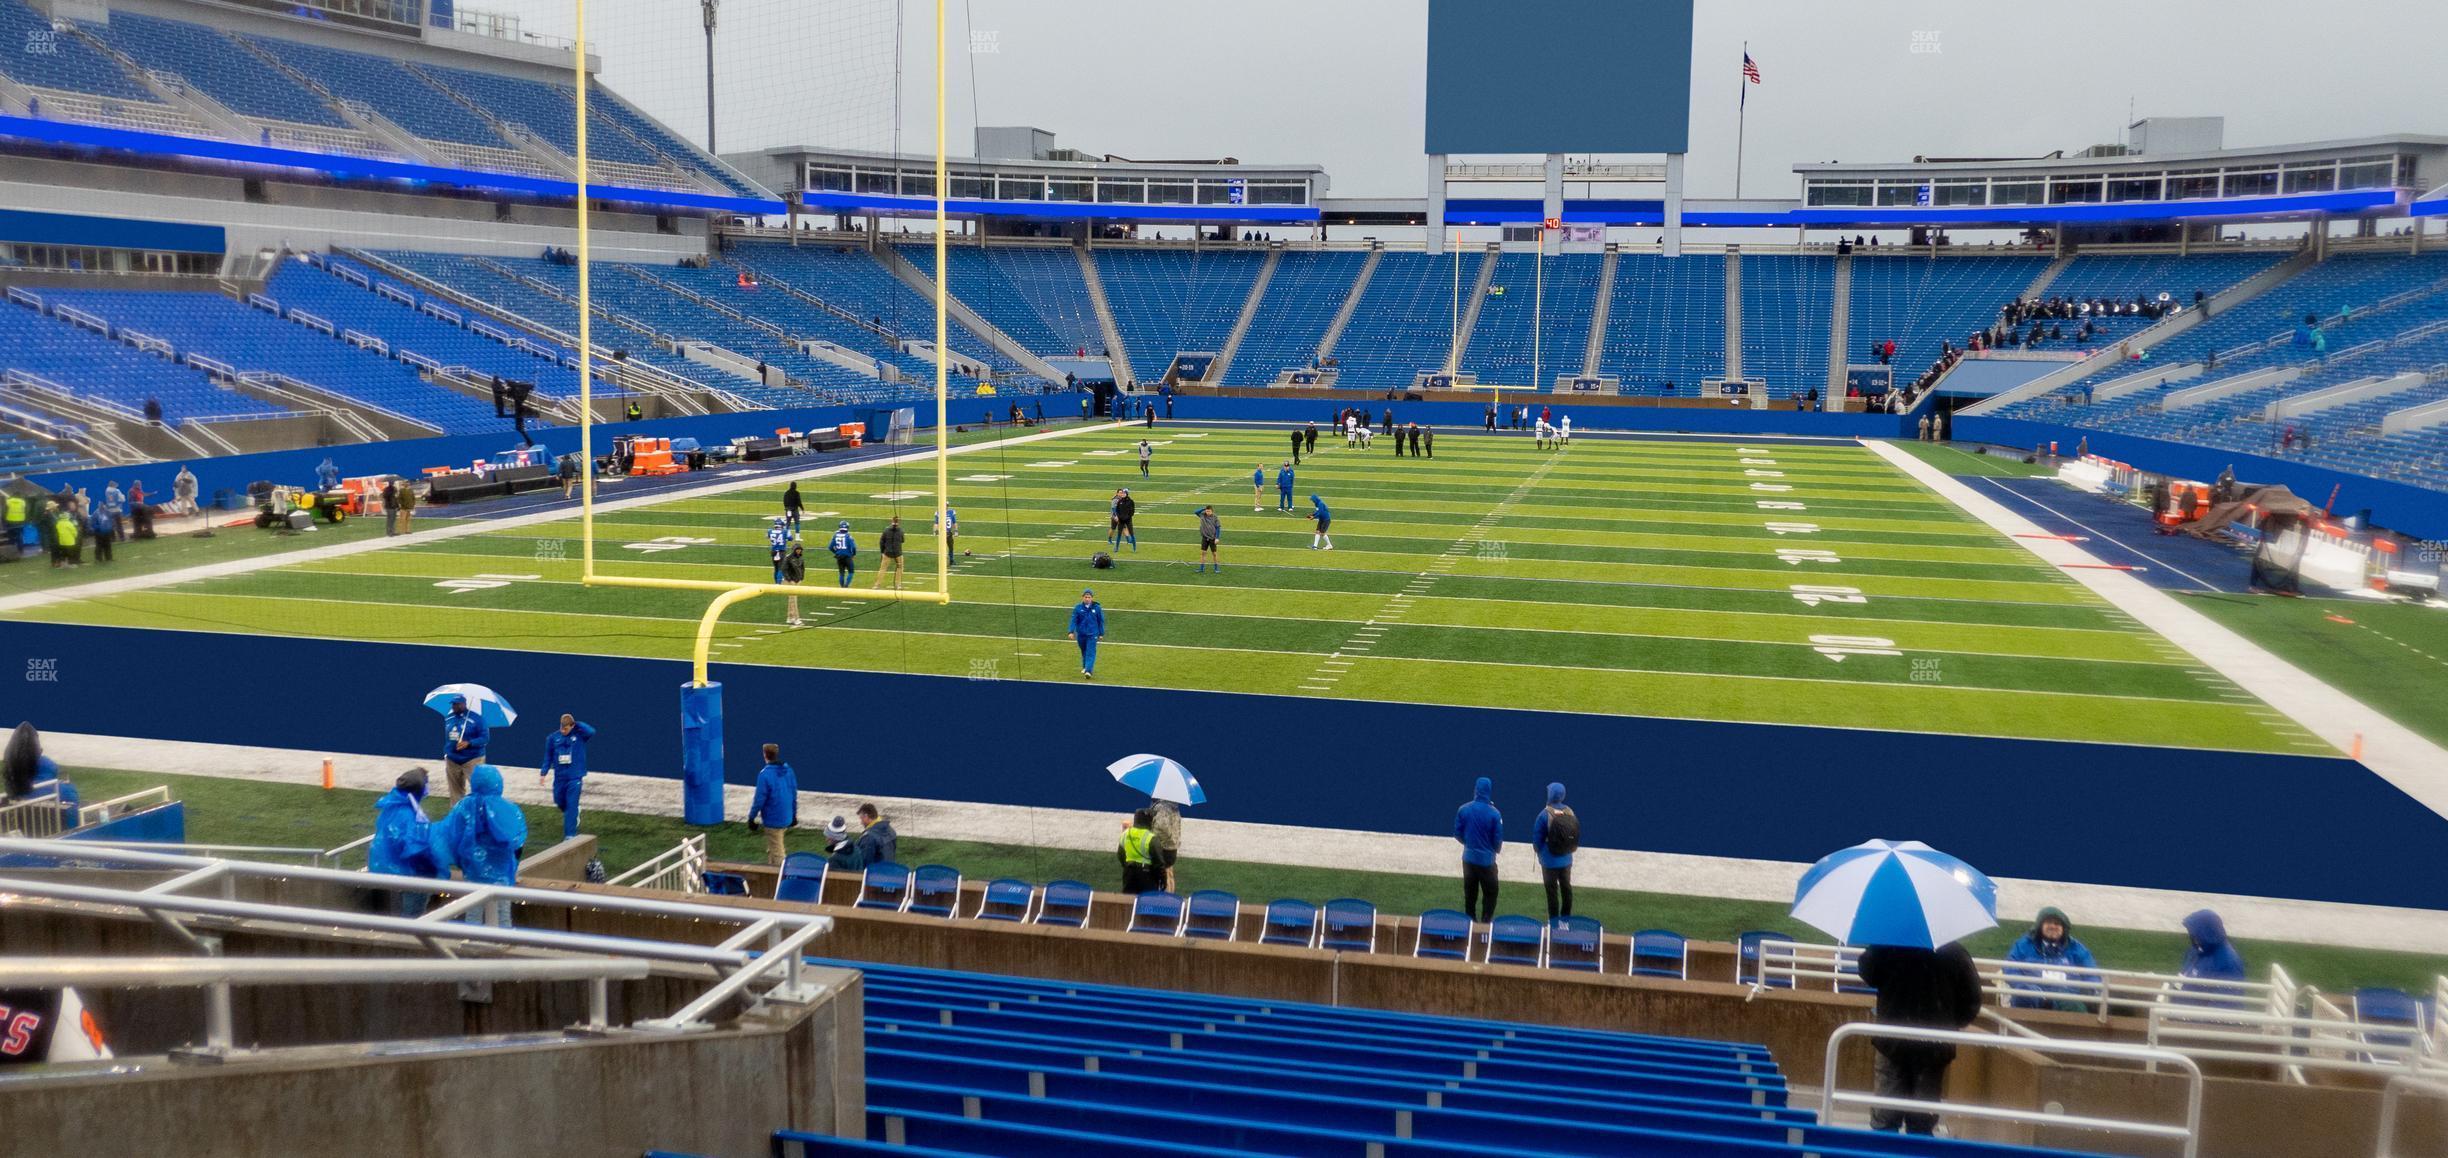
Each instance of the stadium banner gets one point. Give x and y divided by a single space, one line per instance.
1466 413
2166 818
2411 511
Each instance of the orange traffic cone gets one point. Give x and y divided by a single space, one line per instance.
327 773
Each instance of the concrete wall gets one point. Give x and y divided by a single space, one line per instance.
526 1088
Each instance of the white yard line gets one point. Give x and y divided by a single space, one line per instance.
478 527
2415 765
2310 922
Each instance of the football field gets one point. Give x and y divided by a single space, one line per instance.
1761 581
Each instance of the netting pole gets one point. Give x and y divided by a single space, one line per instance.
943 336
586 332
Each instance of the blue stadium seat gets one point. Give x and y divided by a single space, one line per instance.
885 887
1511 940
1444 933
1747 958
726 884
1158 912
935 891
1348 926
1065 903
1660 953
1577 944
1212 915
1290 922
1008 899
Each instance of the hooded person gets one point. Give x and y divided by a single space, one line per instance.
1319 538
403 839
2059 957
482 837
1087 627
1479 829
2211 957
1555 836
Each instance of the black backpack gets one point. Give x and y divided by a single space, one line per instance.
1563 831
1100 561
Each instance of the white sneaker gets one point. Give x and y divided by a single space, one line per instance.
797 622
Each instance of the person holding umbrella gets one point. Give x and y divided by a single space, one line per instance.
1170 787
464 735
1087 627
1910 904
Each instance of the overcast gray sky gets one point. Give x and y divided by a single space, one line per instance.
1339 82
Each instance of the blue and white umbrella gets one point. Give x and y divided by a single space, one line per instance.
1159 777
1887 892
486 703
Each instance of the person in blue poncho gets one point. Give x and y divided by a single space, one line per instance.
482 838
403 839
1325 518
1087 627
2211 958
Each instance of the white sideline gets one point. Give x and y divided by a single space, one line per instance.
2107 906
461 530
2415 765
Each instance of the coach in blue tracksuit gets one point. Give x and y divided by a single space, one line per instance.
1088 626
565 765
1283 488
845 552
1479 828
463 744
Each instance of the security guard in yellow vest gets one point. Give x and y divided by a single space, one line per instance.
1138 854
12 526
64 545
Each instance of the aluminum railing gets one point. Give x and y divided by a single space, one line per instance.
101 810
218 976
38 817
2435 1084
2104 992
761 962
2189 1133
679 869
2294 1044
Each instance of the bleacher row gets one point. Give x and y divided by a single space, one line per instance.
967 1063
156 74
2355 319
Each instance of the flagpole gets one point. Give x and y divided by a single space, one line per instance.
1742 113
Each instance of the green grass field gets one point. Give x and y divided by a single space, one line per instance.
1735 581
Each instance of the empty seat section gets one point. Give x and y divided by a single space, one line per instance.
1787 301
1555 297
1300 302
1404 323
114 373
1921 302
1665 323
209 60
1167 302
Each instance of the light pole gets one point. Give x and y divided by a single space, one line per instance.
708 6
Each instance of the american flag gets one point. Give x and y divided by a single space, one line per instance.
1750 69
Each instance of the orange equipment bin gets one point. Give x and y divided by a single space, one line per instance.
653 456
856 432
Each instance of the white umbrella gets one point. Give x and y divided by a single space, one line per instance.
486 703
1160 777
1886 892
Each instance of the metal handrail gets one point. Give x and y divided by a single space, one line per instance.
2293 1043
735 965
2133 991
2190 1132
2396 1089
101 810
194 972
683 865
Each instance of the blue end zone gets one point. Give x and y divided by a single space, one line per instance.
2165 818
2122 535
